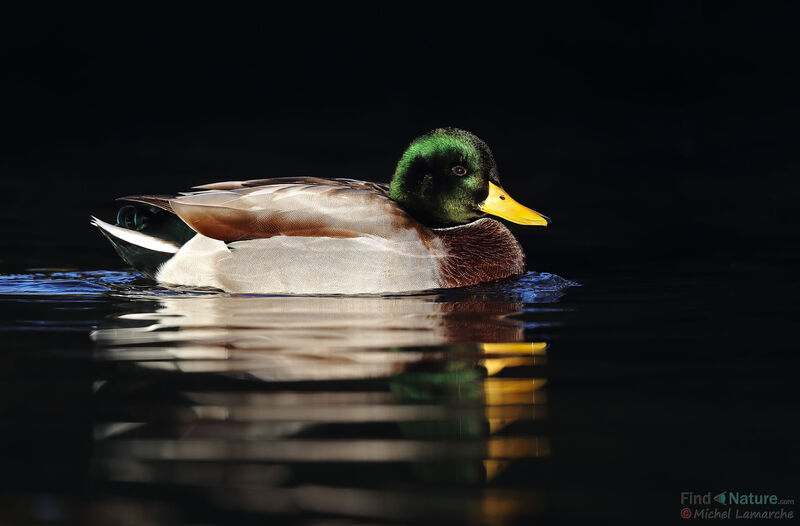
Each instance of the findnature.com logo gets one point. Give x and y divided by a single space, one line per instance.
737 505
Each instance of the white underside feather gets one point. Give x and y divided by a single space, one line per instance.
305 265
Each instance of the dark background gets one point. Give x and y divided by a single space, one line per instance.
648 133
662 140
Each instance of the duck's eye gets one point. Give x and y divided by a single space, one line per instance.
459 170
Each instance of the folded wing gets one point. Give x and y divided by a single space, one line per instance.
310 207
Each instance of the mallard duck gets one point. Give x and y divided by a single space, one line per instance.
305 235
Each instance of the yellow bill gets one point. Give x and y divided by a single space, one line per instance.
500 204
535 348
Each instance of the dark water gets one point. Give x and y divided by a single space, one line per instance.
526 400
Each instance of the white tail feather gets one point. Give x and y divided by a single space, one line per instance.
136 238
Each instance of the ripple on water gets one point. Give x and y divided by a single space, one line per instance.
64 283
531 287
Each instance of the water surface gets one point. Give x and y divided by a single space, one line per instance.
198 405
506 403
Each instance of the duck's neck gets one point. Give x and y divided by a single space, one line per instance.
483 250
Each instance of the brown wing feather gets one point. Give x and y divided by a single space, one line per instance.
159 201
349 183
308 207
230 224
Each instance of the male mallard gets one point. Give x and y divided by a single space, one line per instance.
427 229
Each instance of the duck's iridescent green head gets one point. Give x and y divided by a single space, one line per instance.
449 177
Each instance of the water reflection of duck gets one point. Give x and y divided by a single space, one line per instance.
338 394
307 235
444 353
298 338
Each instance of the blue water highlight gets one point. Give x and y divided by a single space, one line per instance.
531 287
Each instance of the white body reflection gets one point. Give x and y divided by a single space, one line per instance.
295 338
